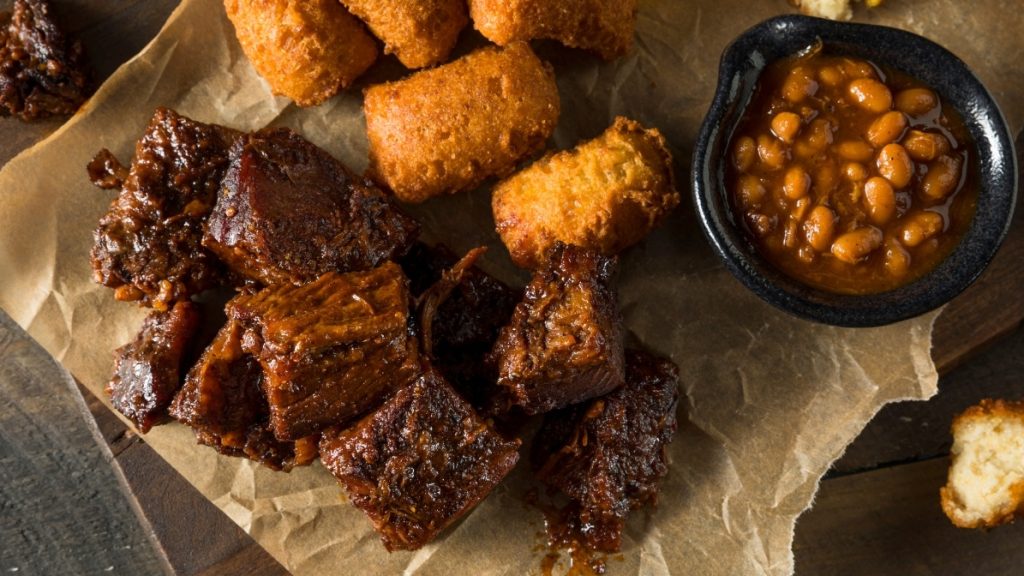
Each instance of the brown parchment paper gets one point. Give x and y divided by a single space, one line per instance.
770 401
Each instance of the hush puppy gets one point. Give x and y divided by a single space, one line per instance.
601 26
447 129
606 194
307 50
986 479
834 9
420 33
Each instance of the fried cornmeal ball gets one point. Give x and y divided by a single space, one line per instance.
449 128
307 50
606 194
420 33
834 9
601 26
986 479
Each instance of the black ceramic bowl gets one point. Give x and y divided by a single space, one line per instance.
740 68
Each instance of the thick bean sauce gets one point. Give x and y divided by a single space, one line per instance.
849 177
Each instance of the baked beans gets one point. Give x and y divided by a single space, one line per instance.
850 177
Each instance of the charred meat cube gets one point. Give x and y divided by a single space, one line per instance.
564 343
331 349
223 401
149 370
42 71
419 462
289 212
608 455
424 264
148 246
222 395
466 325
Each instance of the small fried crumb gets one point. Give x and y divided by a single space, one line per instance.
833 9
986 477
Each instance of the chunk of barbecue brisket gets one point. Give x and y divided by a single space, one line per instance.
289 212
608 455
331 349
148 245
150 369
43 72
564 343
466 324
224 403
419 462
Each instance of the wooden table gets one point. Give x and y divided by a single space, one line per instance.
81 494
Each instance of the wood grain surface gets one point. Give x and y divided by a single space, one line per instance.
81 494
62 509
989 309
188 530
887 522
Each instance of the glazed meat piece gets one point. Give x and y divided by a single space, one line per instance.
420 33
223 401
423 264
331 349
466 325
289 212
148 244
602 26
564 343
447 129
307 50
608 455
42 72
607 194
149 370
419 462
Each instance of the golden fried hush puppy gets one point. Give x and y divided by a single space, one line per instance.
449 128
986 479
834 9
420 33
606 194
307 50
601 26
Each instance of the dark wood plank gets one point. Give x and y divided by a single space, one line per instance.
917 430
133 22
986 311
992 307
888 522
62 510
193 534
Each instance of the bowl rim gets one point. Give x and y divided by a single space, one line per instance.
741 64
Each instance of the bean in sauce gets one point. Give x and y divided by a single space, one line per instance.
850 177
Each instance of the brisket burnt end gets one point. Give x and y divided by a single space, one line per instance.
564 343
608 455
150 369
289 212
418 463
467 323
148 245
42 72
331 349
224 403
